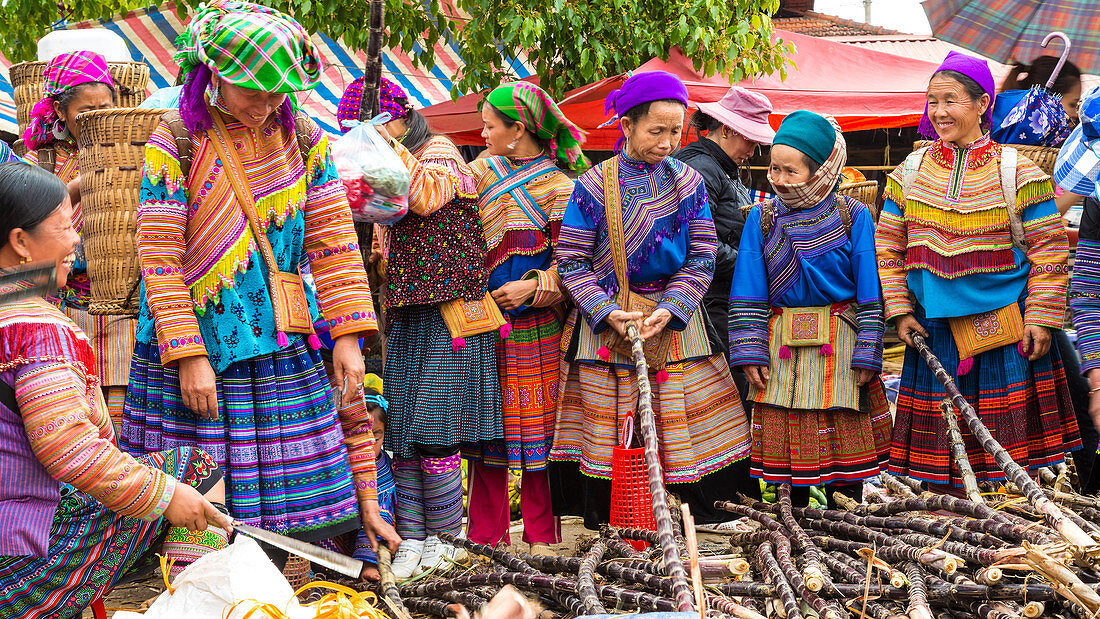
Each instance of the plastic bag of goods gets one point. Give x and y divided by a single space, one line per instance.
375 178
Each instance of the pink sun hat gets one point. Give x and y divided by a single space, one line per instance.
745 112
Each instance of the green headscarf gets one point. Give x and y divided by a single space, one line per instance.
530 105
251 46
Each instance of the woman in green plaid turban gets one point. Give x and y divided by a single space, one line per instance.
254 192
264 56
526 103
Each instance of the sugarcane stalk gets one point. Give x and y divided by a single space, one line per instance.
936 557
780 587
693 555
1065 582
731 608
472 601
940 502
648 427
958 452
994 610
937 593
586 585
503 557
814 573
1014 532
388 585
1034 609
617 546
539 582
981 556
918 593
429 606
1087 548
895 485
641 535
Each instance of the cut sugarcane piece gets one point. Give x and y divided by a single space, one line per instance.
958 453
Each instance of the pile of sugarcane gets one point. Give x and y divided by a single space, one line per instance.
1021 550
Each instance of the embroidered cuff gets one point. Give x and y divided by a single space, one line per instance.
163 499
680 311
598 316
749 350
547 288
867 355
1044 315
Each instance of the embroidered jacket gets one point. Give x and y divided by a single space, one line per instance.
66 167
949 245
61 433
807 260
436 253
668 232
200 259
521 225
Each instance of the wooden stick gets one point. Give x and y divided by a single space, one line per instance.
1087 548
693 554
958 453
648 426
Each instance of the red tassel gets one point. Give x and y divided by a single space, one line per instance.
965 366
458 343
827 349
281 340
777 311
1024 352
784 352
505 330
314 341
603 353
661 376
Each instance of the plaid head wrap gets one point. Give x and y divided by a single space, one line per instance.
812 191
533 107
250 46
62 73
392 99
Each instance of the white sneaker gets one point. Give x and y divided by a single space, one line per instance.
408 558
433 554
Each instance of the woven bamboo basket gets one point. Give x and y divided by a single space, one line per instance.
866 192
1043 156
28 79
297 571
112 158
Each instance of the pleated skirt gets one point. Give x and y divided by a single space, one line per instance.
528 369
1025 405
439 396
277 437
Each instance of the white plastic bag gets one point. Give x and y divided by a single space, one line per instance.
216 581
375 178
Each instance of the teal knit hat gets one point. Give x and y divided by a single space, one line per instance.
810 133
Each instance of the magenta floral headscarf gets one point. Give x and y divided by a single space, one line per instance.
392 98
63 72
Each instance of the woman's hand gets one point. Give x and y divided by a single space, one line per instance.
1036 341
375 526
514 294
198 386
864 376
907 325
758 375
656 323
618 319
348 367
189 509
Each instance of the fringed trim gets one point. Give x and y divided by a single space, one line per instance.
441 152
208 287
318 159
1033 192
161 166
517 243
29 335
894 192
289 199
956 222
951 267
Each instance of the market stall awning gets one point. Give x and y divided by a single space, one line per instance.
151 34
863 89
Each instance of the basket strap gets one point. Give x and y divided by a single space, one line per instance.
47 158
183 140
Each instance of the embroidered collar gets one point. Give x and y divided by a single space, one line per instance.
977 153
636 164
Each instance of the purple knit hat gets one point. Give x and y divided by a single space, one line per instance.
642 88
393 100
974 68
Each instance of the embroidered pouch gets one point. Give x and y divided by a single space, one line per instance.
806 326
466 318
978 333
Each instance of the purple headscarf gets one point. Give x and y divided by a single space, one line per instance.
642 88
392 98
974 68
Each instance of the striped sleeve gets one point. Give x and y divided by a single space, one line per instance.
438 176
332 248
358 426
1084 295
576 247
548 290
161 239
1048 253
891 243
56 401
749 299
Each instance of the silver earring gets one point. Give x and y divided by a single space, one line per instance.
59 130
512 146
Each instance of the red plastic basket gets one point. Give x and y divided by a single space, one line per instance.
631 501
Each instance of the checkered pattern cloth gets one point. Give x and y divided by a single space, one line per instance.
1007 30
251 46
1078 166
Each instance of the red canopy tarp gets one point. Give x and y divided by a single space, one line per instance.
862 88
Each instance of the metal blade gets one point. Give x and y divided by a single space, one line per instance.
332 560
34 280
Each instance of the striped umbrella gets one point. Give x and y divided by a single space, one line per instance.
1007 30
